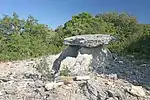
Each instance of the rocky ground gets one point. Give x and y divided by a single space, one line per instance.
123 79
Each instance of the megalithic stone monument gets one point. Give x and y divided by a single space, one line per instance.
91 44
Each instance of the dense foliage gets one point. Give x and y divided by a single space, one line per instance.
133 37
21 39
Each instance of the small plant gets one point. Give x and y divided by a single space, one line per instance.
65 71
43 68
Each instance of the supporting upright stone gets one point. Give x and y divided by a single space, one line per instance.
100 57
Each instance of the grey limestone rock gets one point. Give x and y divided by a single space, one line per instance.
80 45
89 40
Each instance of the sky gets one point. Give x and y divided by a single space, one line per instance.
57 12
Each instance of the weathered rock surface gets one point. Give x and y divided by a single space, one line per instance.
53 85
90 45
136 90
21 81
88 40
30 86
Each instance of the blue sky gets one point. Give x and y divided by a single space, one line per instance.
57 12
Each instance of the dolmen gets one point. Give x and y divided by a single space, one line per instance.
84 53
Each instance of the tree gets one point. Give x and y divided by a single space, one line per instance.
85 23
125 24
20 39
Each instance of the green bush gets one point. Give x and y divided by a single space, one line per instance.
22 39
65 71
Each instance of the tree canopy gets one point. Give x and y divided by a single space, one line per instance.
26 38
20 39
